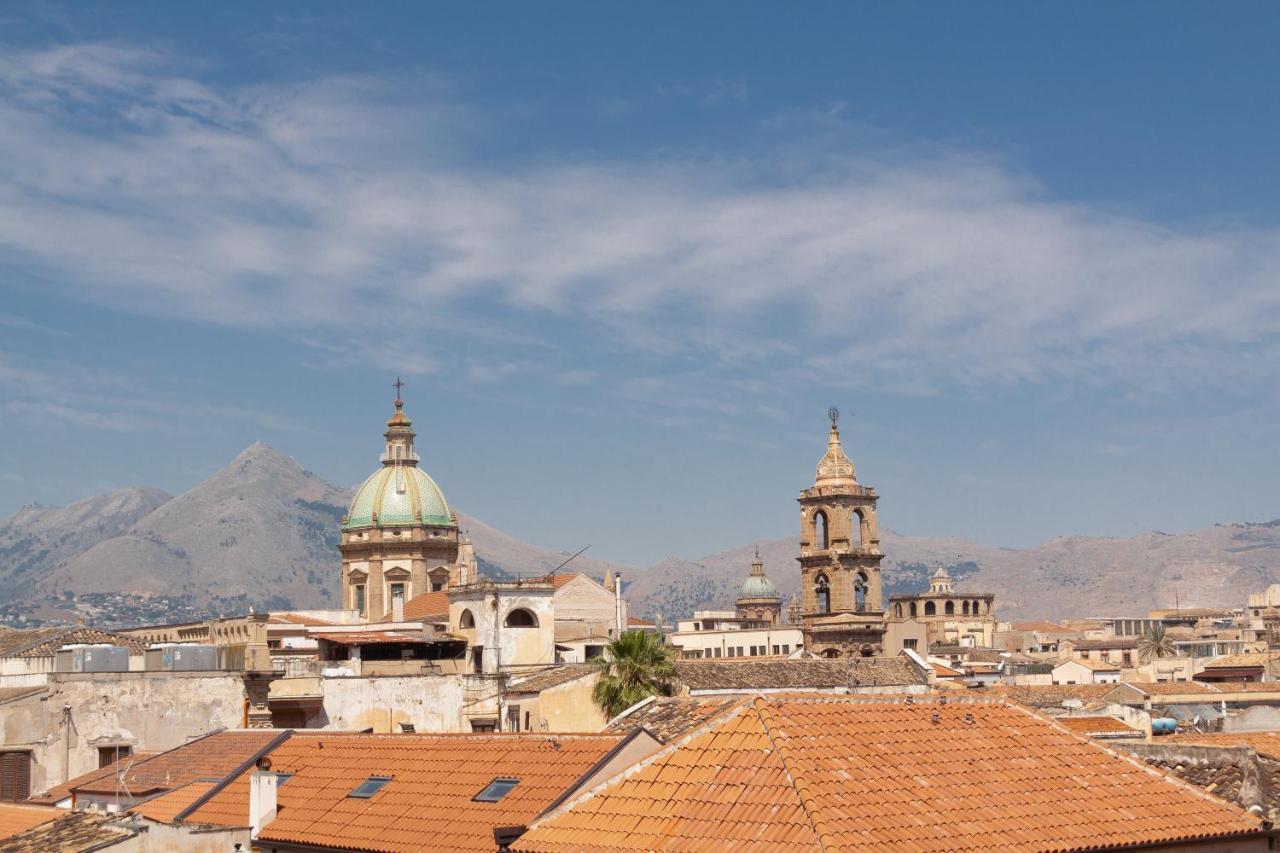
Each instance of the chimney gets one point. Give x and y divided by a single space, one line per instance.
262 797
397 608
617 605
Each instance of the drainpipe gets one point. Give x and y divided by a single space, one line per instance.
66 743
617 605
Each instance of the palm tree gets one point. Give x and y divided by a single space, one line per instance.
635 666
1155 643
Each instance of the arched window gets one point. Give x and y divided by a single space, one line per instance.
860 592
951 608
466 620
820 538
855 529
929 609
966 608
897 611
521 618
913 609
976 611
831 653
822 590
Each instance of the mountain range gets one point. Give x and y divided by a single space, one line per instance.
263 532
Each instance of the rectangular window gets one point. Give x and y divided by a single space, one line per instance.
496 790
15 776
909 644
110 754
483 725
369 787
513 718
359 599
397 591
786 648
717 652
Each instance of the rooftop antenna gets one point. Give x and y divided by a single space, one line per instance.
566 562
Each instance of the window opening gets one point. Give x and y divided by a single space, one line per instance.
496 790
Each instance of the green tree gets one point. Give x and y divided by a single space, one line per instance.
1156 643
635 666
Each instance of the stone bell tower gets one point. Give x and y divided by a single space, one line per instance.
842 612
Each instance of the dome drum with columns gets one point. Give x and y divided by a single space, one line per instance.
399 538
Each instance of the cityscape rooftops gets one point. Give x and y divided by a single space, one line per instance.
750 675
430 802
928 775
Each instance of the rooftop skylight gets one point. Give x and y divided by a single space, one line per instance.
369 787
496 790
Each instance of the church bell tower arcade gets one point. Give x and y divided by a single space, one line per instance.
842 611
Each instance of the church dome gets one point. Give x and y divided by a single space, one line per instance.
400 493
757 585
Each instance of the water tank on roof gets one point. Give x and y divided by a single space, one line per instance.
97 657
181 657
1164 726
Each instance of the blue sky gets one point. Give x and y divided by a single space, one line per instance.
626 257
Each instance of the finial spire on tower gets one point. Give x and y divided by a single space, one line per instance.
398 385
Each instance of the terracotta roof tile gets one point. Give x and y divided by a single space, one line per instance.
210 757
1053 695
860 773
670 717
63 791
1042 627
44 642
72 832
553 677
297 619
16 817
1264 743
749 675
168 806
1177 688
428 805
1094 665
427 605
1090 725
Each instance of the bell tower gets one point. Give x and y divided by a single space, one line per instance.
842 611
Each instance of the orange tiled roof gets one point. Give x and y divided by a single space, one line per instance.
856 773
945 671
428 805
168 806
1096 725
1053 695
296 619
17 817
72 831
427 605
1174 688
1265 743
637 622
63 791
211 757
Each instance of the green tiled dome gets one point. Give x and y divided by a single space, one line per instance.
398 495
758 586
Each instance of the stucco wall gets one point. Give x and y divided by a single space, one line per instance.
569 707
148 711
430 703
584 600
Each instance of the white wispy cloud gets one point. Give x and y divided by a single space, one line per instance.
301 207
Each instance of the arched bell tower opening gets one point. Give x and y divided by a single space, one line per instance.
842 611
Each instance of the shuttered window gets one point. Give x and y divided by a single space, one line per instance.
15 776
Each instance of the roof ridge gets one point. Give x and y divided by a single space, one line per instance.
820 828
233 775
667 749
